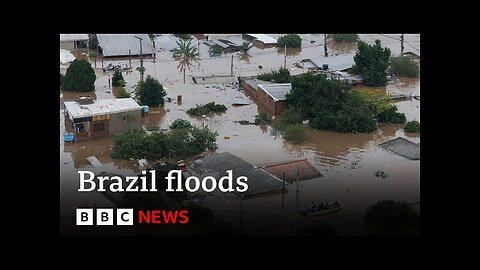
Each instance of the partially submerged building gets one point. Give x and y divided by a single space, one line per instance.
261 40
336 66
87 119
271 95
72 42
111 45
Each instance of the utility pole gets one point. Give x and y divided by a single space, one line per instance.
231 67
401 45
285 60
325 44
141 57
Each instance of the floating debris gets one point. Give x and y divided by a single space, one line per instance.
381 174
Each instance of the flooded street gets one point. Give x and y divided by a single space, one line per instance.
348 162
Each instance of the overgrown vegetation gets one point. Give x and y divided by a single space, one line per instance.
61 79
150 92
343 37
123 93
391 115
329 104
372 62
262 118
181 142
389 214
117 79
282 75
404 67
295 133
290 40
80 77
208 108
412 126
180 123
292 116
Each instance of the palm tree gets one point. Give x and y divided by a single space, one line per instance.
244 51
184 54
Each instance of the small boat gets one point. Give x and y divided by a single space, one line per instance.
330 209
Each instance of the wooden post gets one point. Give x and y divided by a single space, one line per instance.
231 67
325 44
401 44
130 58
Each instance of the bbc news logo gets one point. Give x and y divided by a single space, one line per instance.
125 216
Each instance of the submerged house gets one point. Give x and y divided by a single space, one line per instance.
87 119
271 95
72 42
112 45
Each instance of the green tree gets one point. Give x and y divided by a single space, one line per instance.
372 62
246 46
185 53
117 79
290 40
180 123
150 92
80 77
404 67
61 79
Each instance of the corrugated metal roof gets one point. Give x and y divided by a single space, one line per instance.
335 63
276 90
259 180
119 44
101 107
167 42
73 37
266 39
253 83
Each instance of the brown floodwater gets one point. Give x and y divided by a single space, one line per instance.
348 162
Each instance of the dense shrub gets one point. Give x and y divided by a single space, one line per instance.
390 115
412 126
295 133
123 93
292 116
156 145
180 123
210 107
404 67
280 76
